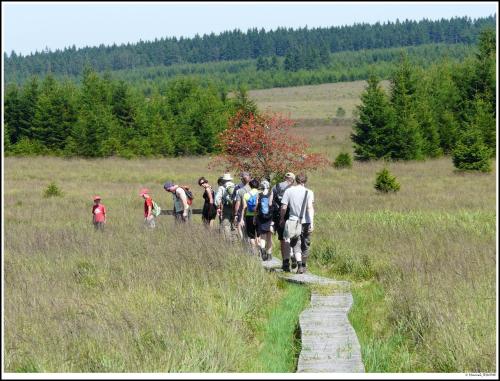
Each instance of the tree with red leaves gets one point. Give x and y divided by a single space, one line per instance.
264 146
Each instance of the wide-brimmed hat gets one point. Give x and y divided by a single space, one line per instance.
143 192
97 198
290 175
227 177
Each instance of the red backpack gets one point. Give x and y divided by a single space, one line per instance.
189 194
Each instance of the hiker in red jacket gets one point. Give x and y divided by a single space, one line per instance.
149 218
98 214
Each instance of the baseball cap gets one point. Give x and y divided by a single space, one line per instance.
143 192
168 184
97 198
290 175
243 174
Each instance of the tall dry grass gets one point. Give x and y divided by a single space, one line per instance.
430 248
128 299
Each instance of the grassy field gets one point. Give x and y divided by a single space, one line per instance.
131 300
422 262
312 102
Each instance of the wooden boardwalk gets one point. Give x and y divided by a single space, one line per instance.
329 343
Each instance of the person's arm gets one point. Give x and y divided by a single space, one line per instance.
283 209
104 212
150 209
310 210
237 204
183 198
256 209
218 197
243 209
210 195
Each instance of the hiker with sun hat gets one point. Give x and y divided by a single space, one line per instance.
98 214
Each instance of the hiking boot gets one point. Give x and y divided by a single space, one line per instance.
286 265
269 256
300 269
263 254
294 263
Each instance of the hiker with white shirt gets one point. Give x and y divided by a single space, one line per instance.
298 201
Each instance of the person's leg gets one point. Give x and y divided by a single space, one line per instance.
305 241
295 244
251 232
226 228
269 245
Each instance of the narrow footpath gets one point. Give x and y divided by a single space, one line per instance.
329 343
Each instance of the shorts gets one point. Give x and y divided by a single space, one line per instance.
99 225
263 226
250 227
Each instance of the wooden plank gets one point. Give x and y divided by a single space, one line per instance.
329 342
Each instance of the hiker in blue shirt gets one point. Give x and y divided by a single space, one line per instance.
264 220
249 212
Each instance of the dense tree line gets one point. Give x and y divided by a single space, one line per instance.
298 46
448 109
270 72
104 117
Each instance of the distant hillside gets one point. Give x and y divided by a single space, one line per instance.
301 48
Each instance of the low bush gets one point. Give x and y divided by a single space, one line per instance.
385 182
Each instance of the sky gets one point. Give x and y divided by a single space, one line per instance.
30 27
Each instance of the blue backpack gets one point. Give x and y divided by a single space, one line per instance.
252 202
264 210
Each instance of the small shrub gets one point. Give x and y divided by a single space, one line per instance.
27 147
385 182
343 160
52 191
340 112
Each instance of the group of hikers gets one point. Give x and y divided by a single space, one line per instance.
250 211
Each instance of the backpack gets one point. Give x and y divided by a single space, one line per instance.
264 210
189 194
235 192
156 209
227 198
252 203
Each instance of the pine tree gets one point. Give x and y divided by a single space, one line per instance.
426 120
484 119
372 130
445 104
274 65
12 112
27 107
262 64
95 133
470 153
406 142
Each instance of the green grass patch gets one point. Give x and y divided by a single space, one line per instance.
383 348
280 344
